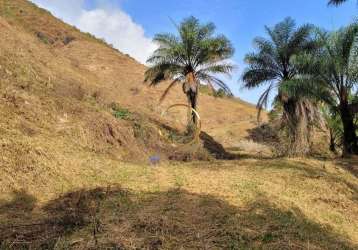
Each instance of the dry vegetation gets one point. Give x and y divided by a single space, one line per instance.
274 204
77 127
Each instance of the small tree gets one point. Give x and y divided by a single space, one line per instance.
194 55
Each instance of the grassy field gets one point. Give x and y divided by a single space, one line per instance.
243 204
65 177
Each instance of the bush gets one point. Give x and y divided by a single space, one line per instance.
44 38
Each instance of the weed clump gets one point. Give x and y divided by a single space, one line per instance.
120 112
44 38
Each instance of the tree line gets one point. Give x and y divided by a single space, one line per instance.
313 73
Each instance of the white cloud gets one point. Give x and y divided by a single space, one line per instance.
118 29
67 10
112 24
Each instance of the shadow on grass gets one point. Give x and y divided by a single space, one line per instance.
314 172
263 134
113 218
304 168
350 164
21 202
220 153
214 148
189 152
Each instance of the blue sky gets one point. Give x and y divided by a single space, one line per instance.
239 20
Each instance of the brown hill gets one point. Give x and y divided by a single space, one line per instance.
60 87
74 111
66 76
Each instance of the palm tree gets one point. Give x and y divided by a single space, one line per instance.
196 55
272 65
335 68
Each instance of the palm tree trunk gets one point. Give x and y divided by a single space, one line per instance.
192 101
192 97
191 92
300 145
349 134
298 130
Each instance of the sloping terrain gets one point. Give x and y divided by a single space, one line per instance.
77 127
79 59
60 88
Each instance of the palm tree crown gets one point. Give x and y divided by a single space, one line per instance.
272 63
193 56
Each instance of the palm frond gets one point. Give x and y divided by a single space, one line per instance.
254 77
304 87
167 90
273 60
301 40
210 79
336 2
263 100
353 60
217 68
264 61
161 72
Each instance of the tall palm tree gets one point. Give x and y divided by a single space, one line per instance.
272 65
335 68
196 55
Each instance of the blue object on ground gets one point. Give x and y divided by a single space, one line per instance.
154 160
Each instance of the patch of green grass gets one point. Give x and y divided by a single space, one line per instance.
121 113
179 180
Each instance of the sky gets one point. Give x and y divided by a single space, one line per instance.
131 24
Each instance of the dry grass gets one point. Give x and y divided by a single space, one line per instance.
252 148
271 204
65 177
85 66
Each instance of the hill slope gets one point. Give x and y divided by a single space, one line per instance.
81 61
60 87
65 177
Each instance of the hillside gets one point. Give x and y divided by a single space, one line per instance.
78 125
60 88
88 65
